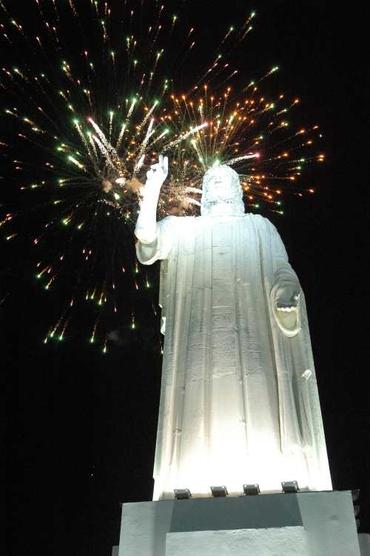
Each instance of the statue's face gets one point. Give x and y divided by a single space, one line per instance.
221 188
221 184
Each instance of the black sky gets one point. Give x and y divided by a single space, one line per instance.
79 428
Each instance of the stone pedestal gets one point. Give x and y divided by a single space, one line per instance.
364 540
302 524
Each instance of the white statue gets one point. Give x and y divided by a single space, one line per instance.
239 401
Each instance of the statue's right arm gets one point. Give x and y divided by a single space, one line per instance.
147 228
147 233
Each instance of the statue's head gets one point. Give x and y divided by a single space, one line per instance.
221 192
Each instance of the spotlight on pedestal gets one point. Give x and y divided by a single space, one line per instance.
251 490
219 491
182 493
290 487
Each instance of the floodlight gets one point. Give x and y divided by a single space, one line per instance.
219 491
290 487
182 493
250 490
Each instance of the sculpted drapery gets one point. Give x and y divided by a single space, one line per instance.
239 401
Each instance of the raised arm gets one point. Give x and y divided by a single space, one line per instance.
146 229
146 225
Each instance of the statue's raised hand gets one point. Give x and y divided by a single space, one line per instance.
146 225
156 175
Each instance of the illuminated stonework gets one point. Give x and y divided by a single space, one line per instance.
239 400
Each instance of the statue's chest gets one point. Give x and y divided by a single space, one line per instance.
209 251
200 235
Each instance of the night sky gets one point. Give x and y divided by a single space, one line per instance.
79 427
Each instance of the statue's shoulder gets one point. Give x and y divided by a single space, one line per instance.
260 223
168 218
173 218
257 219
172 222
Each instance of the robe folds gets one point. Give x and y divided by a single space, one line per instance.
239 401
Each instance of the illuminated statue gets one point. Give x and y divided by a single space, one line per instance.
239 401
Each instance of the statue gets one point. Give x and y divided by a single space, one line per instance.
239 401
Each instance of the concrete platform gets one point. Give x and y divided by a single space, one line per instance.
302 524
364 540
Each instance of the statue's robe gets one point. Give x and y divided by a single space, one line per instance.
239 400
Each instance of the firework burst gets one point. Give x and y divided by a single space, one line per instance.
91 98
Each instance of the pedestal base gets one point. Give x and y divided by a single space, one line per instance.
304 524
364 540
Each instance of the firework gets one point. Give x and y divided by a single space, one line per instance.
91 98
